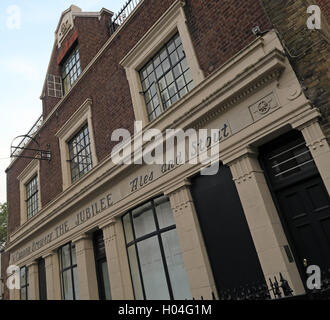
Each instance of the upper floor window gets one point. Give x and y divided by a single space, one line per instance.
166 78
80 154
32 197
24 283
71 70
68 272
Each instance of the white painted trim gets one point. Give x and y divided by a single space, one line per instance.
81 117
32 169
171 22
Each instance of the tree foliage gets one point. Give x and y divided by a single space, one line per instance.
3 224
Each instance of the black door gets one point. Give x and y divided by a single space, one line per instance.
227 237
302 200
101 266
42 279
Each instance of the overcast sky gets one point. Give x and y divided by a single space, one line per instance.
27 35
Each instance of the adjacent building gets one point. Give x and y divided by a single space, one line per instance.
84 227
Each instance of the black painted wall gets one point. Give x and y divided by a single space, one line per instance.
226 233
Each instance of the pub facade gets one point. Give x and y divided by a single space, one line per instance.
84 227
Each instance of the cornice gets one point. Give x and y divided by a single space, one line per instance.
262 80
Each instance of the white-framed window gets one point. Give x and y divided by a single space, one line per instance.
142 62
80 154
30 196
77 145
71 70
166 77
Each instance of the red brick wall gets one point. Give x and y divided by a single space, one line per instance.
325 8
219 29
309 50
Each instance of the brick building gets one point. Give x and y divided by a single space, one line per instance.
83 227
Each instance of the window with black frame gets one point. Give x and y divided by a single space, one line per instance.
32 197
166 78
154 252
68 272
24 283
80 154
71 70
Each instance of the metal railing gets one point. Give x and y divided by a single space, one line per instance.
118 19
278 289
16 150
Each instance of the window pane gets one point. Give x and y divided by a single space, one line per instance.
187 76
152 269
177 71
162 84
176 268
180 83
106 281
174 58
23 277
159 72
164 212
67 285
66 262
156 61
135 273
128 228
143 219
166 65
169 78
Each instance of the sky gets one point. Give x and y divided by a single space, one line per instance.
27 29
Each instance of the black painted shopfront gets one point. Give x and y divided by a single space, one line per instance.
227 237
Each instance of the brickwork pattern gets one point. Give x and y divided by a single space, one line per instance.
309 50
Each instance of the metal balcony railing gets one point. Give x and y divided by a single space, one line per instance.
16 150
118 19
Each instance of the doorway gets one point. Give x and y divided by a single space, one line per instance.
301 198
